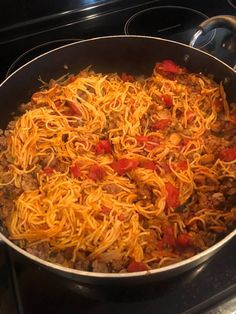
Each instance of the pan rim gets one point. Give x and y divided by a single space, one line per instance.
115 36
170 268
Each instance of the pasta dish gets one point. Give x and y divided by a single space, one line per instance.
116 173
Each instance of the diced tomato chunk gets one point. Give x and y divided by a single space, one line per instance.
228 154
48 171
142 138
184 142
75 170
74 107
167 100
172 198
58 103
72 78
96 173
168 236
153 142
169 66
121 217
166 167
127 77
103 147
148 164
136 266
105 210
190 116
162 124
182 165
184 240
124 165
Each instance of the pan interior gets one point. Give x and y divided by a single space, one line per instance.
121 53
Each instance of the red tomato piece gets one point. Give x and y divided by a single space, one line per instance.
121 217
124 165
169 66
190 116
168 236
172 198
58 103
74 107
161 124
96 173
228 154
185 141
160 245
72 78
48 171
127 77
184 240
136 266
75 170
148 164
166 167
182 165
103 147
142 138
167 100
105 210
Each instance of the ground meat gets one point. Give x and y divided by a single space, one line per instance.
144 121
57 258
152 241
29 182
118 265
205 184
145 192
204 200
76 123
82 265
40 250
228 185
60 167
100 267
224 129
112 188
3 142
8 194
82 95
23 107
218 200
231 201
214 144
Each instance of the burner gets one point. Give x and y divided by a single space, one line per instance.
171 22
36 51
232 3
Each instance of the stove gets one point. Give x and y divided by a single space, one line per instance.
31 29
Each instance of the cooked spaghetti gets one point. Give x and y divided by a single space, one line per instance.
112 173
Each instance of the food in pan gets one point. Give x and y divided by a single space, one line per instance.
116 173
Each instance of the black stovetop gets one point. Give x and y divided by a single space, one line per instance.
26 288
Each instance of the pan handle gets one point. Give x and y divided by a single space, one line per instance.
225 21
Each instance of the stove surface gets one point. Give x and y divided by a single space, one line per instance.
25 287
63 20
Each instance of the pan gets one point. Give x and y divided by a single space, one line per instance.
132 54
